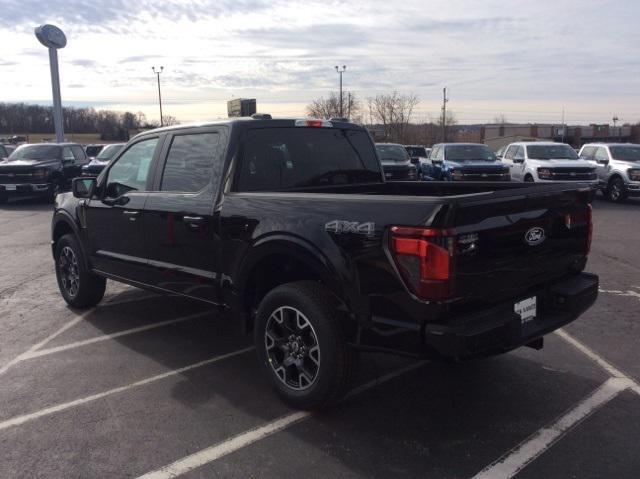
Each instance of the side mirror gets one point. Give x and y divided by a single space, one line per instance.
518 160
83 187
603 162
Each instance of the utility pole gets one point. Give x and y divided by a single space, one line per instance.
445 100
340 72
563 126
157 72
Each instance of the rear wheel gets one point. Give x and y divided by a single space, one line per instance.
616 191
79 287
301 345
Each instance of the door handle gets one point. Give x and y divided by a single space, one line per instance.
132 215
193 220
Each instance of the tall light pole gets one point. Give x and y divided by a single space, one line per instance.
340 72
157 72
53 38
445 100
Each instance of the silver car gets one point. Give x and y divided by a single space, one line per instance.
618 166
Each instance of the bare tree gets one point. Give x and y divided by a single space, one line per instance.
394 112
330 107
500 119
168 120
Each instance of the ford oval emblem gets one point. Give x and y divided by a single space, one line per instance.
534 236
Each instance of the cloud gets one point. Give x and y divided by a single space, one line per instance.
81 62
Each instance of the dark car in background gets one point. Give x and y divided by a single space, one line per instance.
419 156
6 150
396 162
98 163
42 169
93 150
465 162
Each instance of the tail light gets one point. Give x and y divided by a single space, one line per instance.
581 219
425 258
314 123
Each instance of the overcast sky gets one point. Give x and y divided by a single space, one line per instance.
525 59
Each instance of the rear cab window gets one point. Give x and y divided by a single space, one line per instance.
281 158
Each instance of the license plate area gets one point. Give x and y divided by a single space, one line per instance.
10 187
527 309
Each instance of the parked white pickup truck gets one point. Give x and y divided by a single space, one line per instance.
547 161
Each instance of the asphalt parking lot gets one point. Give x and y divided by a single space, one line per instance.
145 384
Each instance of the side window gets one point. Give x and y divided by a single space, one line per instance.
439 153
519 153
78 152
601 154
131 171
190 162
67 154
587 152
511 152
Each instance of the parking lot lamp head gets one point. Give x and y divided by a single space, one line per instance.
53 38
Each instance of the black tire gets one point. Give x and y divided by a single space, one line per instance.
54 190
529 179
616 191
319 348
79 287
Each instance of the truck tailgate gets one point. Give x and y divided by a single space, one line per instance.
507 245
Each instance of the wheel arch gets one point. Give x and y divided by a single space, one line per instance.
63 224
277 260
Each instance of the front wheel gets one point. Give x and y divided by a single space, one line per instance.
301 345
79 287
616 191
529 179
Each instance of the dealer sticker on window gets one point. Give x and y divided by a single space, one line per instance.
526 309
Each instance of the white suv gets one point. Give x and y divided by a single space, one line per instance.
547 161
618 168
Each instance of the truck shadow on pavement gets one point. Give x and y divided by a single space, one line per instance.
440 420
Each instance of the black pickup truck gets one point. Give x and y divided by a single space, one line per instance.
290 227
40 169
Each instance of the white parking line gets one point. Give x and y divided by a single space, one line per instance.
78 402
516 459
210 454
44 352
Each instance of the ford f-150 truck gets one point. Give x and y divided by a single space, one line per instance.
290 226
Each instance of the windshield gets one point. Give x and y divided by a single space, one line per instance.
625 153
109 152
392 153
416 151
551 152
36 152
469 152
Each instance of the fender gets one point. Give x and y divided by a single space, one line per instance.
63 216
286 245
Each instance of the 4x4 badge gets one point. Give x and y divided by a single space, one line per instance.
534 236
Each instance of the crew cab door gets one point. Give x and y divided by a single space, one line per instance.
113 218
601 157
437 161
180 222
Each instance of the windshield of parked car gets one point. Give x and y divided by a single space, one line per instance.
281 158
416 151
551 152
625 153
468 153
93 150
109 152
392 152
36 152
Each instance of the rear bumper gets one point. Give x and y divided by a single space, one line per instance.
24 189
489 331
500 329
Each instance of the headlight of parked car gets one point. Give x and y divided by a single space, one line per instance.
544 173
634 174
41 174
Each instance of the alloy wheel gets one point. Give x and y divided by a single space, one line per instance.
69 271
292 348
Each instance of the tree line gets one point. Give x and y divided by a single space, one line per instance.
23 118
389 116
